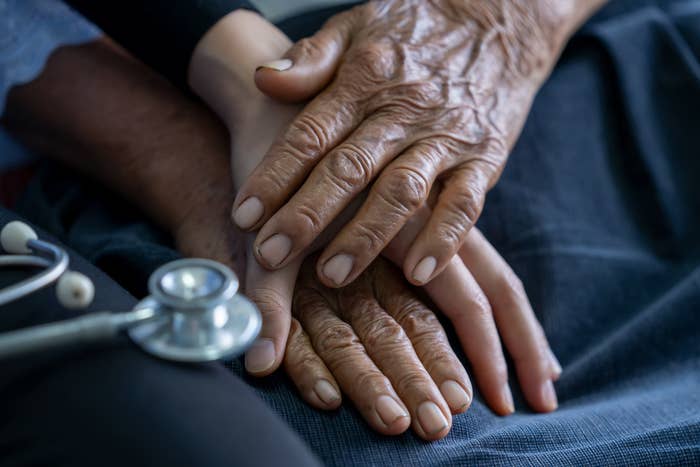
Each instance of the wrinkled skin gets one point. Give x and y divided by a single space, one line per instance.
380 345
477 290
419 93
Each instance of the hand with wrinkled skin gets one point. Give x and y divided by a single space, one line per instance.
478 292
382 347
419 95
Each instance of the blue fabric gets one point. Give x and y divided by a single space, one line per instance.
598 211
112 405
30 30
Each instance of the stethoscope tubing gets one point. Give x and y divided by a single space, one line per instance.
57 265
90 328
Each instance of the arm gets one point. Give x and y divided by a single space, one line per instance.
112 118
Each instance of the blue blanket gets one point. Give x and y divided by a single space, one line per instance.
598 211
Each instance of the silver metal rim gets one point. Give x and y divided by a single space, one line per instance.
154 336
225 292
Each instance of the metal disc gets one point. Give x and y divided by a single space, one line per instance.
197 317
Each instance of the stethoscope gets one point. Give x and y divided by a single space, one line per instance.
193 312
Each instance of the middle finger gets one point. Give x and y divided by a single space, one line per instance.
393 353
340 349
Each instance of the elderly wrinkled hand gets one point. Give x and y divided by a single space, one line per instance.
378 344
416 94
477 290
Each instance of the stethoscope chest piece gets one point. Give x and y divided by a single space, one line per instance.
198 316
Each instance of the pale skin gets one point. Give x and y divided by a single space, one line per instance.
97 110
477 290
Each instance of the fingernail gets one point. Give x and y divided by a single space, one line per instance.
455 395
278 65
275 249
389 410
549 396
507 398
338 268
424 269
260 356
326 392
431 418
248 213
556 366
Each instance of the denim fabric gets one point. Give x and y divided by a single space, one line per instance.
598 212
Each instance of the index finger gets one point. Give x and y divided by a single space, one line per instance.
323 124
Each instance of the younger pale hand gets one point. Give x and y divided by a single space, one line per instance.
471 299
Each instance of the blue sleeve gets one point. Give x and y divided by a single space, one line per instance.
30 30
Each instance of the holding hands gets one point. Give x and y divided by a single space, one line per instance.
427 98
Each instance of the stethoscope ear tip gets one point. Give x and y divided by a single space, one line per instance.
75 290
14 237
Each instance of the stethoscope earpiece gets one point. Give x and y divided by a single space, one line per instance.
15 236
75 290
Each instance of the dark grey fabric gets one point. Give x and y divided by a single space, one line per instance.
162 33
113 405
598 211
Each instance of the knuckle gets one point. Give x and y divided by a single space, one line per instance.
351 166
405 189
416 319
371 236
310 220
274 175
463 210
306 138
471 203
412 381
383 332
425 334
480 306
334 340
466 204
375 61
269 301
450 234
442 358
419 97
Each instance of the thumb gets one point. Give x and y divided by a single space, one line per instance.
309 65
272 292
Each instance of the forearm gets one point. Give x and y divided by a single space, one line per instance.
112 118
222 75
